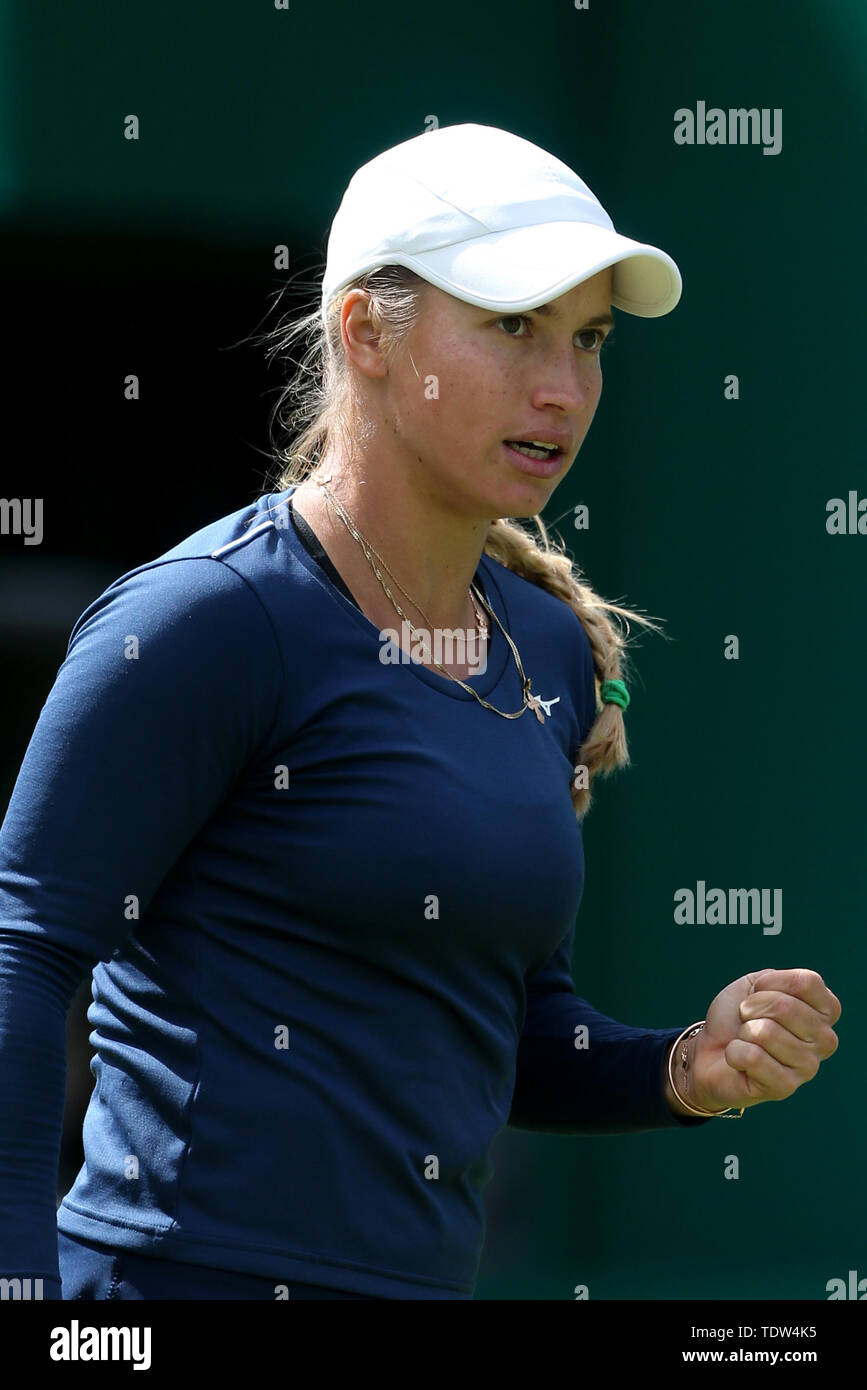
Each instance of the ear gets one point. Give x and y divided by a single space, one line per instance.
361 335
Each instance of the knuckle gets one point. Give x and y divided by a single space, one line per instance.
759 1030
767 1029
788 1006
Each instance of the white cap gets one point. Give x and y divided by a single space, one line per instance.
493 220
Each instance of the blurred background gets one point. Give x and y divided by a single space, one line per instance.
155 257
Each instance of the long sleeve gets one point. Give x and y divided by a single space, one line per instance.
128 759
37 983
612 1085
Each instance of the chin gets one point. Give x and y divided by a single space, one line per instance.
529 498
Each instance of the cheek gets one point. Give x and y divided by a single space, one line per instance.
468 387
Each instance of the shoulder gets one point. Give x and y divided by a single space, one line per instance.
203 600
531 601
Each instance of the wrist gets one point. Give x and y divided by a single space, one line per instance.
682 1093
673 1067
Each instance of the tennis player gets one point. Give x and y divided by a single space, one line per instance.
326 880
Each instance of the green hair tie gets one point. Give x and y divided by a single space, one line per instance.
615 693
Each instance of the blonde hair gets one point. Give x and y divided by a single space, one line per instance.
314 407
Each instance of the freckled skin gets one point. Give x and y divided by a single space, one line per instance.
432 471
491 380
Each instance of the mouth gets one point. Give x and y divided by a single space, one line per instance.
530 458
534 448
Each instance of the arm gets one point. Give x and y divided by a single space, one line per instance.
128 760
671 1099
619 1082
37 983
616 1084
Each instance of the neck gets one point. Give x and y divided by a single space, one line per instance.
430 548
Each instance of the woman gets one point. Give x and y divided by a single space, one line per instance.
330 881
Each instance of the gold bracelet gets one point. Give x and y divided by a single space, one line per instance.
683 1040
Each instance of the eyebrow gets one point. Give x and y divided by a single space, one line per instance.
597 321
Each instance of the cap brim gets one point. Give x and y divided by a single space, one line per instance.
519 269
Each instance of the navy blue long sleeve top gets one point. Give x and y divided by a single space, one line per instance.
329 906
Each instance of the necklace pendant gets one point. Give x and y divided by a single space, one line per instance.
534 703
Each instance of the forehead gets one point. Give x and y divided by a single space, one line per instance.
596 291
592 297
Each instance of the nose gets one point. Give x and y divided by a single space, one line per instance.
569 381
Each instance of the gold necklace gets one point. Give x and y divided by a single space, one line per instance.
530 701
480 617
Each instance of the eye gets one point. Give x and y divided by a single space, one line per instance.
601 339
514 318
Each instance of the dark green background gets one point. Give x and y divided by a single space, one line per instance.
156 257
